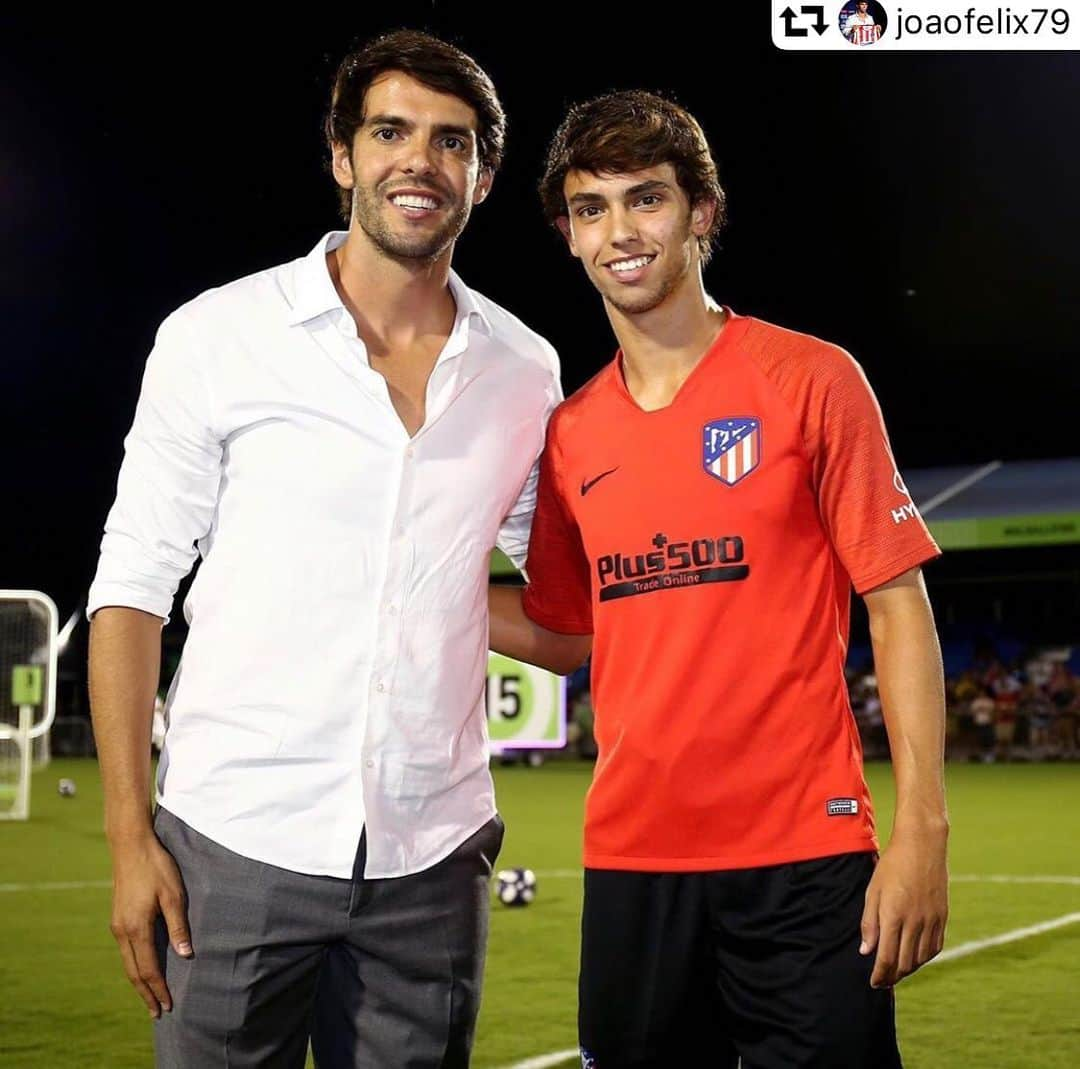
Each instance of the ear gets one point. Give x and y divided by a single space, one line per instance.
341 164
483 185
701 217
567 231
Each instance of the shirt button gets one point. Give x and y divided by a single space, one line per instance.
380 687
370 764
409 453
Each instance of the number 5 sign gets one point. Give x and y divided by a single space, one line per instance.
526 706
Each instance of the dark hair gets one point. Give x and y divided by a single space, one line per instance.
619 133
434 63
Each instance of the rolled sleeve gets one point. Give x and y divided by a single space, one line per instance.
168 483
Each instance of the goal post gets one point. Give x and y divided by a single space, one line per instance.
28 647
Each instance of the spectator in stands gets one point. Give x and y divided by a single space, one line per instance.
1065 698
982 713
1037 710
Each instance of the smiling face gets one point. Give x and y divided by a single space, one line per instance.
413 168
635 234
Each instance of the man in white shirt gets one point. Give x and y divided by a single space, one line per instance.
344 437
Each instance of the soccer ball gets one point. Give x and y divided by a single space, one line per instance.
516 887
66 788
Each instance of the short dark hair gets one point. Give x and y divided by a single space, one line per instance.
622 132
432 62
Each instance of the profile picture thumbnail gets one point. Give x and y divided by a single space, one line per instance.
863 22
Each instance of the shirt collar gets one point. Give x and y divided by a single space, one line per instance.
315 293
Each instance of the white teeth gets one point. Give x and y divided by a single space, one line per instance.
407 200
631 265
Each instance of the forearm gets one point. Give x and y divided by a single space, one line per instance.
907 660
125 665
515 635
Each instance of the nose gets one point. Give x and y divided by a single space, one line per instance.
624 229
418 157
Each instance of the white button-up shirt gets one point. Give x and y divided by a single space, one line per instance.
333 675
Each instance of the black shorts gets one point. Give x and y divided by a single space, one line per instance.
705 968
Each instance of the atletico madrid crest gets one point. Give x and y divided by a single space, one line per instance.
731 448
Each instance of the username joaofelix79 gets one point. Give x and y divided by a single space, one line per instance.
869 26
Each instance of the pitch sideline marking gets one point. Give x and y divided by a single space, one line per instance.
544 1061
964 949
556 874
1072 880
73 885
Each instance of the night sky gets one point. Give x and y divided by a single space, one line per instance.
919 210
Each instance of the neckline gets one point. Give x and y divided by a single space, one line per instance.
727 336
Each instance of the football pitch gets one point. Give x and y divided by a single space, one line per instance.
1015 860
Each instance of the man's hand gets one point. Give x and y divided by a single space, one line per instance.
146 882
907 905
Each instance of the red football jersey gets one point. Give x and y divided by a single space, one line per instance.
711 547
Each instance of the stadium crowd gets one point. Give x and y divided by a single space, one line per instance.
1025 708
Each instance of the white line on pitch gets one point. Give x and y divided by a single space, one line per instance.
1069 880
964 949
544 1061
75 885
561 874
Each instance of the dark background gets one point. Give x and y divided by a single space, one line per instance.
917 209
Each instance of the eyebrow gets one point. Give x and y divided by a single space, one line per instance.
650 186
404 124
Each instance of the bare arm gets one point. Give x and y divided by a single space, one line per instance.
907 900
517 636
125 663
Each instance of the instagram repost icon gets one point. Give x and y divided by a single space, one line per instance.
862 22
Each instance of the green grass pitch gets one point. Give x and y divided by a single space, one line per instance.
65 1002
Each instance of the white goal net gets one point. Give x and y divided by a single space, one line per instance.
28 629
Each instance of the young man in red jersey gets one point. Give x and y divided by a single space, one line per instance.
706 503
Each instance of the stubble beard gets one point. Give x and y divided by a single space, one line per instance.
368 207
638 302
641 301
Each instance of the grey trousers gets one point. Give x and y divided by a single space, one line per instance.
380 973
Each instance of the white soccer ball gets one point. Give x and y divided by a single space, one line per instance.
66 788
516 887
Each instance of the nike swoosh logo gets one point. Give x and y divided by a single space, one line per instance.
587 486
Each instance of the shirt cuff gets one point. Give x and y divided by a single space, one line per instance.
897 566
116 593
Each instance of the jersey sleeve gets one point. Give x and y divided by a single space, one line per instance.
873 524
559 594
513 536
